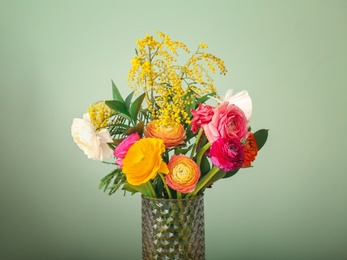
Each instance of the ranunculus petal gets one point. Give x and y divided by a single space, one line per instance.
172 134
227 154
250 149
143 160
124 146
201 116
93 143
240 99
228 120
183 175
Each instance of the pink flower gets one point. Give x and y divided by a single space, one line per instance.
227 121
240 99
183 175
227 154
201 116
124 146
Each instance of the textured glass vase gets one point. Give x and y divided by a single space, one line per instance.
173 229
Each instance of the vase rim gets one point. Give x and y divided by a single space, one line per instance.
164 199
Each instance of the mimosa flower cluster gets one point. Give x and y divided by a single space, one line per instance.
169 142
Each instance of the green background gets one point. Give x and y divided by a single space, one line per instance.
57 57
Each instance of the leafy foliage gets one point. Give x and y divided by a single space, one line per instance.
113 181
261 137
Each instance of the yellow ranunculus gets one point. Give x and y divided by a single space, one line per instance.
143 161
184 173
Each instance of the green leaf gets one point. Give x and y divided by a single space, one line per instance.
192 103
119 179
119 107
159 185
138 128
141 188
261 137
219 175
116 94
204 98
205 165
128 99
229 174
128 187
179 150
135 107
189 133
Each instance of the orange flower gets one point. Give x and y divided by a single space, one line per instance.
250 149
172 134
183 175
143 161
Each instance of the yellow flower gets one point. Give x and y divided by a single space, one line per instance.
168 86
184 173
99 114
172 134
143 161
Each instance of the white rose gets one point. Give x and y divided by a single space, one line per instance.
94 144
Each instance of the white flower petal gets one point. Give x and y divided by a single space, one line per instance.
94 144
242 100
104 135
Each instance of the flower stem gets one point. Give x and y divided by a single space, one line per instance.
150 186
165 185
203 182
201 153
196 142
179 195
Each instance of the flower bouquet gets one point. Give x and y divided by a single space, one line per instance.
169 141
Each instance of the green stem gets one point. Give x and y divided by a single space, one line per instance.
165 185
203 182
196 142
201 153
151 188
179 195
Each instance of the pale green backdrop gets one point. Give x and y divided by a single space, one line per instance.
57 57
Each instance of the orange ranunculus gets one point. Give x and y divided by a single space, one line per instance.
172 134
250 149
183 175
143 161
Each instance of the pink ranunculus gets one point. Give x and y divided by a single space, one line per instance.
124 146
201 116
227 121
227 154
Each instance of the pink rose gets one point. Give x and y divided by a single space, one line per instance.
227 121
124 146
240 99
201 116
227 154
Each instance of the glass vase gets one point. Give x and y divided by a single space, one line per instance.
173 229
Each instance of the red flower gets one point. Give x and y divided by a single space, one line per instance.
250 149
201 116
227 154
